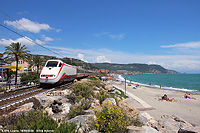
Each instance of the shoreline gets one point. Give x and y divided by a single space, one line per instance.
162 87
188 109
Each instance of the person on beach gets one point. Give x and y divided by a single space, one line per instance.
167 99
188 97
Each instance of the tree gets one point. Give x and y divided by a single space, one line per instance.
36 61
17 51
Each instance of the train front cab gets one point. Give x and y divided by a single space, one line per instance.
49 74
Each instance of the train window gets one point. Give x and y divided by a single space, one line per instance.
52 64
60 64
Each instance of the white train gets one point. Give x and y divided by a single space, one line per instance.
57 72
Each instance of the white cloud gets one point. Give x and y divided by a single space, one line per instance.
180 63
117 36
102 59
28 24
58 30
113 36
25 41
183 45
22 40
80 56
23 12
101 34
48 39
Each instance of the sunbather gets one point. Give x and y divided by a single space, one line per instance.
188 97
167 99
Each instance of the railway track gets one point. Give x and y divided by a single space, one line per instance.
16 100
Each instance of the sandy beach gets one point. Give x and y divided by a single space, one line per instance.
148 99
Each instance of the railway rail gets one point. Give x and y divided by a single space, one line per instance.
12 102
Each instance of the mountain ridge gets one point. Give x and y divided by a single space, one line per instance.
135 68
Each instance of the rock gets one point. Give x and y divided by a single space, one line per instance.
130 110
89 111
94 131
150 129
49 111
109 88
57 102
66 108
56 109
81 119
84 80
190 129
46 101
172 124
109 101
22 109
95 104
1 127
36 104
75 80
147 120
134 129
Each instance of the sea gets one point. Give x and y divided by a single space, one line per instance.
178 82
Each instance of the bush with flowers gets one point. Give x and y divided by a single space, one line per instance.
110 118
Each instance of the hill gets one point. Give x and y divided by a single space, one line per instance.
135 68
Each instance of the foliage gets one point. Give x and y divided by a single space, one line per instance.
144 68
30 77
121 94
2 90
79 110
82 90
110 119
66 127
74 111
11 72
101 96
95 81
93 78
37 121
36 60
17 51
86 103
136 122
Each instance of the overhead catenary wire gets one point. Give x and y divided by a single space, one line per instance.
25 36
20 24
30 40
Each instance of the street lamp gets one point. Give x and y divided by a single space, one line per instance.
125 86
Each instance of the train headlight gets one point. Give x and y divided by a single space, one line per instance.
52 75
42 75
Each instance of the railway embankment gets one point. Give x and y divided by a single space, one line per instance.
89 105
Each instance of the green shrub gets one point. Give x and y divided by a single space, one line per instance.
37 121
75 111
136 122
31 77
66 127
83 90
2 90
121 94
93 78
86 103
72 98
101 96
110 119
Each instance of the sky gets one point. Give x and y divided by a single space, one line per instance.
163 32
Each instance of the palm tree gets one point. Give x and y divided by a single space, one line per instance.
36 61
17 51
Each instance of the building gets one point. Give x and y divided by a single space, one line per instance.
24 66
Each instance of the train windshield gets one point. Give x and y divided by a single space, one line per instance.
52 64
